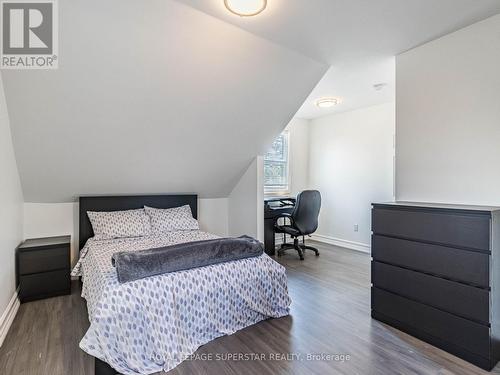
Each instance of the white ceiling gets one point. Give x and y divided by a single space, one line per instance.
356 37
150 97
344 30
157 96
353 84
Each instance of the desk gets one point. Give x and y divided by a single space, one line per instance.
274 207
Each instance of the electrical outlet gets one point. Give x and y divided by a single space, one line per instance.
356 227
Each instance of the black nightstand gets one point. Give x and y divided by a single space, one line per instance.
43 268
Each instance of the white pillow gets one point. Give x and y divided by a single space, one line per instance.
171 219
118 224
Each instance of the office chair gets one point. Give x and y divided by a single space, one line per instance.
303 222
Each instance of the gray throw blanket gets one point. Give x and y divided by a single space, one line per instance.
135 265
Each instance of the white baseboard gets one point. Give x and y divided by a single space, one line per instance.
8 316
358 246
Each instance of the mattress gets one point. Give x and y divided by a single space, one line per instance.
153 324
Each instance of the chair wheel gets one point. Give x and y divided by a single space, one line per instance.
317 254
301 258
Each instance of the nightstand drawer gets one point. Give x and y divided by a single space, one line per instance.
45 284
43 260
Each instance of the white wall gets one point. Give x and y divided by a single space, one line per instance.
57 219
11 219
213 216
52 219
351 164
448 118
246 203
299 155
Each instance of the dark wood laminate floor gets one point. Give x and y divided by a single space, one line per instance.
330 315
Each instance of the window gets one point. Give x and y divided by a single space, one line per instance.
276 176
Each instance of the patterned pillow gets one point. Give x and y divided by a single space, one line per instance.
118 224
171 219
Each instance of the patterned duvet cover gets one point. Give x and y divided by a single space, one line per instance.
153 324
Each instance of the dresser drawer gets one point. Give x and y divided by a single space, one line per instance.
454 229
446 327
43 260
466 301
456 264
45 284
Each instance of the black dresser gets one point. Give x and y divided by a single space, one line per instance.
436 275
43 268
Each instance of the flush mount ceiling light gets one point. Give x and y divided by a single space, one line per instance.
327 102
245 8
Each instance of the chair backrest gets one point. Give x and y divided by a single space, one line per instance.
306 212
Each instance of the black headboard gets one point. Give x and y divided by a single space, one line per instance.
122 203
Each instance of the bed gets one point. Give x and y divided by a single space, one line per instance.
153 324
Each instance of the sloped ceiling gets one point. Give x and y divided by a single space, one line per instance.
353 83
150 96
359 38
336 31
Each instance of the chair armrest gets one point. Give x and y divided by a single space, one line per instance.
284 215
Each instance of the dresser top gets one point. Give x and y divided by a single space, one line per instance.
444 206
45 242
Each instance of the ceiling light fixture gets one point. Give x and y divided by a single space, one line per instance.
327 102
245 8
